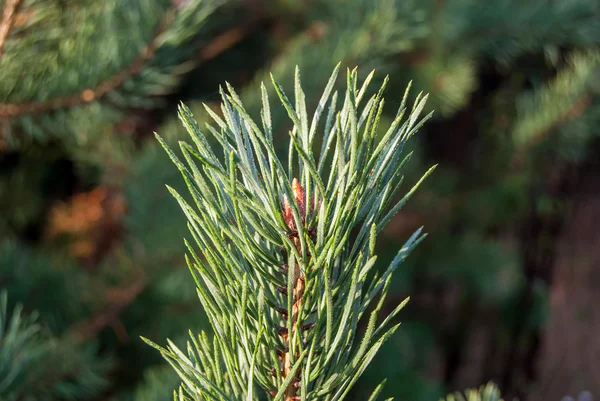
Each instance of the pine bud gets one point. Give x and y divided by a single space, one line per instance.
300 199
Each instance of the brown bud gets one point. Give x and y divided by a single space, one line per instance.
301 202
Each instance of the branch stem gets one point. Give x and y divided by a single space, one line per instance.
298 293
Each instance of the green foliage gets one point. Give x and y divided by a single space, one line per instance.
71 70
34 279
514 85
506 30
246 230
69 299
35 365
569 95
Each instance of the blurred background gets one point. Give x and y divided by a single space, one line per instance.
91 251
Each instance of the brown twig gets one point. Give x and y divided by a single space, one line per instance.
225 41
298 287
298 294
8 15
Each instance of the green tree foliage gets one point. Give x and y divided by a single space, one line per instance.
515 89
37 365
69 70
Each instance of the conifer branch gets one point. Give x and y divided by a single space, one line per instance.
9 110
565 98
575 110
282 280
215 47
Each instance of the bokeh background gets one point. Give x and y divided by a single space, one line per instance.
505 288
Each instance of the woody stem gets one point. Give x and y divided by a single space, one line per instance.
298 292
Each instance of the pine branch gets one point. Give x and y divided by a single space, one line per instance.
211 50
87 95
34 364
96 80
278 259
575 110
509 29
565 98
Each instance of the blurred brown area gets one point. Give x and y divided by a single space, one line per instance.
89 221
